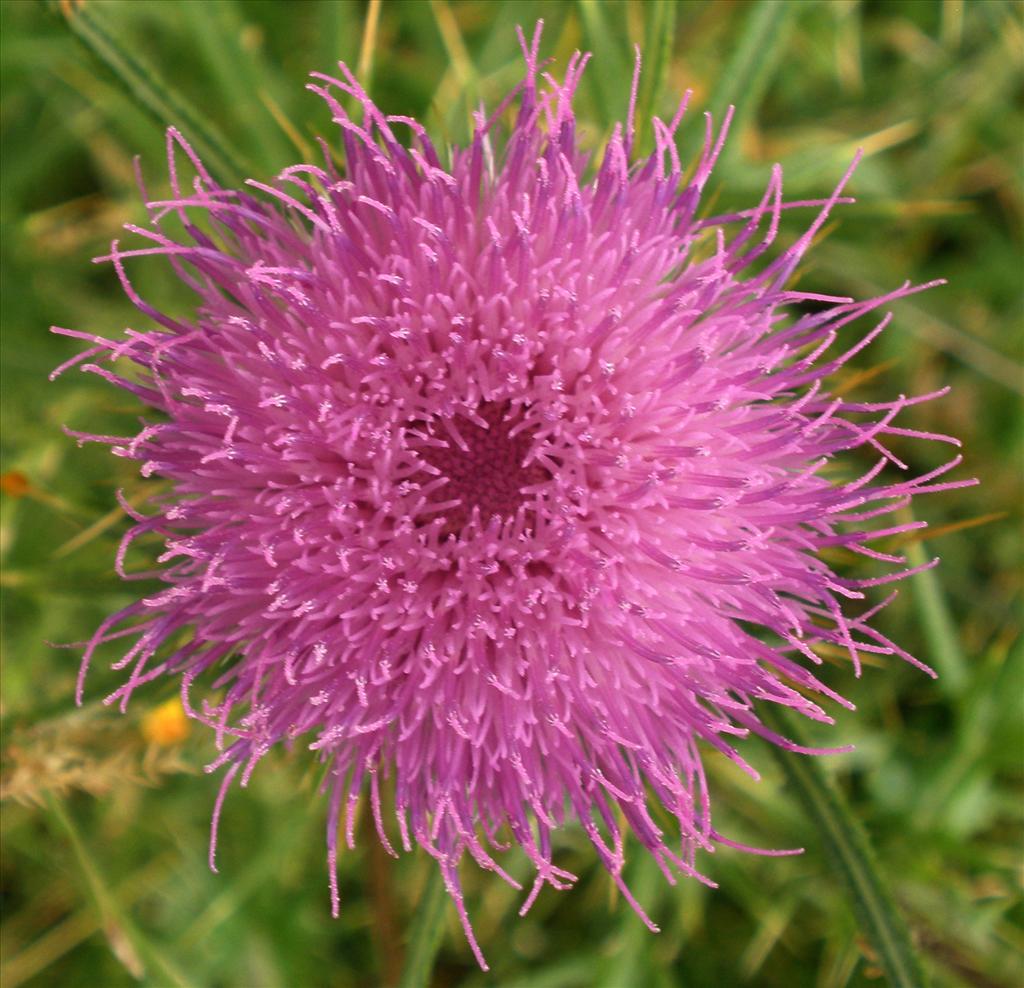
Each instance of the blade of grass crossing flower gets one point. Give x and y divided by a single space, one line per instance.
425 935
749 71
153 94
128 944
848 846
659 39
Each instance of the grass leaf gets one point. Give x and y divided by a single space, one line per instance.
940 631
607 43
155 95
848 847
749 70
425 934
241 75
631 967
659 40
133 949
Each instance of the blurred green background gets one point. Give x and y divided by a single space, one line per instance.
105 817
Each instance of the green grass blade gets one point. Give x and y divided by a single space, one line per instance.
425 934
459 89
970 754
368 46
336 29
615 60
848 846
940 631
241 76
632 965
758 53
155 96
130 946
659 41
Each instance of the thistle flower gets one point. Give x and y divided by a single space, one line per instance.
502 483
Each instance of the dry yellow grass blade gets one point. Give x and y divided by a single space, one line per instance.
303 146
930 534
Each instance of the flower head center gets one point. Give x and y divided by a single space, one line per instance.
484 466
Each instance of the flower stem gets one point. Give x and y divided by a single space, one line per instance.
425 936
848 846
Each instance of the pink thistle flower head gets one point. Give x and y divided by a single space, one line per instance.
502 483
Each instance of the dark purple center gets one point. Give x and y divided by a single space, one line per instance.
488 473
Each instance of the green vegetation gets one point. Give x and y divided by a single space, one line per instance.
105 817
